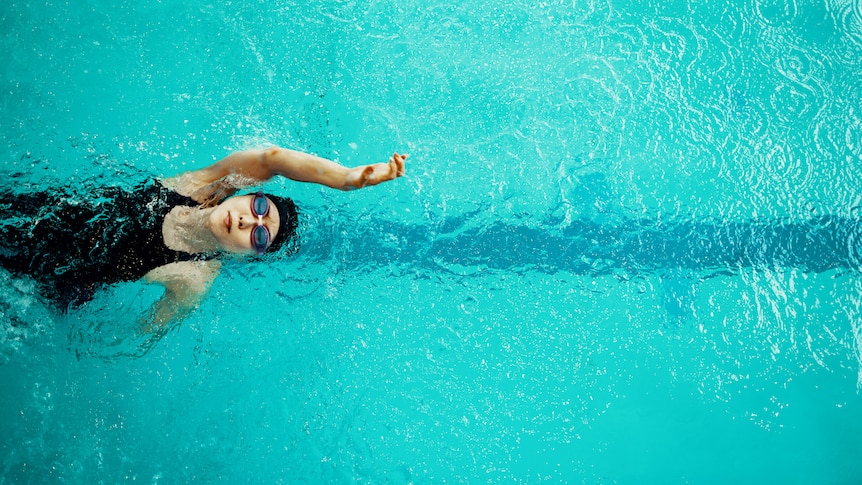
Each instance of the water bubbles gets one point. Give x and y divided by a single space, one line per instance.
24 316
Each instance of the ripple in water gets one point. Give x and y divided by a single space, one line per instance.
848 18
776 12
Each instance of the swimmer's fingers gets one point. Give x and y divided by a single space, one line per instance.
393 167
396 165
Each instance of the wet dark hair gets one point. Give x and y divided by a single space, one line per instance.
287 215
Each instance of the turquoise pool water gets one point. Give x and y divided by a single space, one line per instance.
625 251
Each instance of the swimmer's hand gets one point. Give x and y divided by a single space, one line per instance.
376 173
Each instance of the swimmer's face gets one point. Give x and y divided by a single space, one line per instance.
232 221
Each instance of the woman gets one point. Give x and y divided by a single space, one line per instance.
169 232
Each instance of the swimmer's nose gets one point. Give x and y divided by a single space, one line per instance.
248 221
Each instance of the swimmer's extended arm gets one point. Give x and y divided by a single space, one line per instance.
262 165
186 283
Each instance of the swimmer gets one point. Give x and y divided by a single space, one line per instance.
170 232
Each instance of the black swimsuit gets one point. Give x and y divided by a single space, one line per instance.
74 246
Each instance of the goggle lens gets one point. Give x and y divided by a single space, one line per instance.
259 238
260 234
259 205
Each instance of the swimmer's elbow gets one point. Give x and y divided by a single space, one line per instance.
271 157
272 153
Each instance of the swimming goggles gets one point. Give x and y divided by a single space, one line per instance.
260 236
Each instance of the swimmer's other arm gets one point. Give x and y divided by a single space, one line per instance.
186 283
265 164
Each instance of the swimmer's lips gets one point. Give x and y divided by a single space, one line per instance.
227 222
